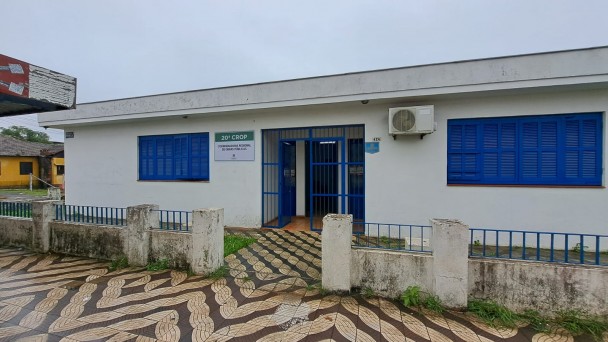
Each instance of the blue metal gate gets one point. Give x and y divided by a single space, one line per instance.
332 170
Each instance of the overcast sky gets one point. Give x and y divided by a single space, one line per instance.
122 48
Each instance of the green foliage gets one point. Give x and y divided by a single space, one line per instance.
232 243
578 323
433 303
219 273
158 265
413 296
322 291
536 321
118 264
319 287
574 321
476 243
25 134
493 314
34 192
367 292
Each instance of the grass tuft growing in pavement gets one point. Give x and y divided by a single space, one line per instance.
158 265
413 296
578 322
493 314
118 264
232 243
219 273
574 321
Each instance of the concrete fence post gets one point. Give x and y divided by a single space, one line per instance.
43 213
207 240
140 219
336 252
450 262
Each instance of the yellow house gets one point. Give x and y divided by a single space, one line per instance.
20 158
57 171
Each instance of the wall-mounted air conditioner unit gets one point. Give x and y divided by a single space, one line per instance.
411 120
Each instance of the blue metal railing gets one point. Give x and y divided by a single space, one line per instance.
177 220
16 209
401 237
571 248
90 214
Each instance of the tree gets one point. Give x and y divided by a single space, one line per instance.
24 133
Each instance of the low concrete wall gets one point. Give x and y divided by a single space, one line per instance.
16 231
201 250
173 246
93 241
545 287
389 273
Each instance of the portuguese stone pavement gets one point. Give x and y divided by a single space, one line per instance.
267 295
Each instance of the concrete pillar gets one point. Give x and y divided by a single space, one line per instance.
54 193
450 244
335 252
140 219
207 240
43 213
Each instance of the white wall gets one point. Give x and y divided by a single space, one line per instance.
405 181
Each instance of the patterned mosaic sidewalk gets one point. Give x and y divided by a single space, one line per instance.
266 297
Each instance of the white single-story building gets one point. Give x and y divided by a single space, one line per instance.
513 142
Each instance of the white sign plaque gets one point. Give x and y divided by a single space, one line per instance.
234 146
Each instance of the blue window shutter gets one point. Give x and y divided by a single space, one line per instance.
147 158
164 157
174 157
199 156
463 153
498 152
539 150
563 149
583 149
180 156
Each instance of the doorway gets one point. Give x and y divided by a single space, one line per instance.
308 173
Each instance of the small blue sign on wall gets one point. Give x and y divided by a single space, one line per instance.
372 147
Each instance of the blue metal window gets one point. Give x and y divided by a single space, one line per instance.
563 149
174 157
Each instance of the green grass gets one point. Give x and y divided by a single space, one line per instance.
16 213
413 296
536 320
367 292
577 323
383 242
219 273
34 192
319 287
158 265
232 243
493 314
118 264
574 321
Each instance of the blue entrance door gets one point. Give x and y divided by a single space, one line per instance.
327 180
287 206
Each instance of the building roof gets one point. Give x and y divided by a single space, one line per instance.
533 72
27 88
10 146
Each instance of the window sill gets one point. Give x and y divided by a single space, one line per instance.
528 186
